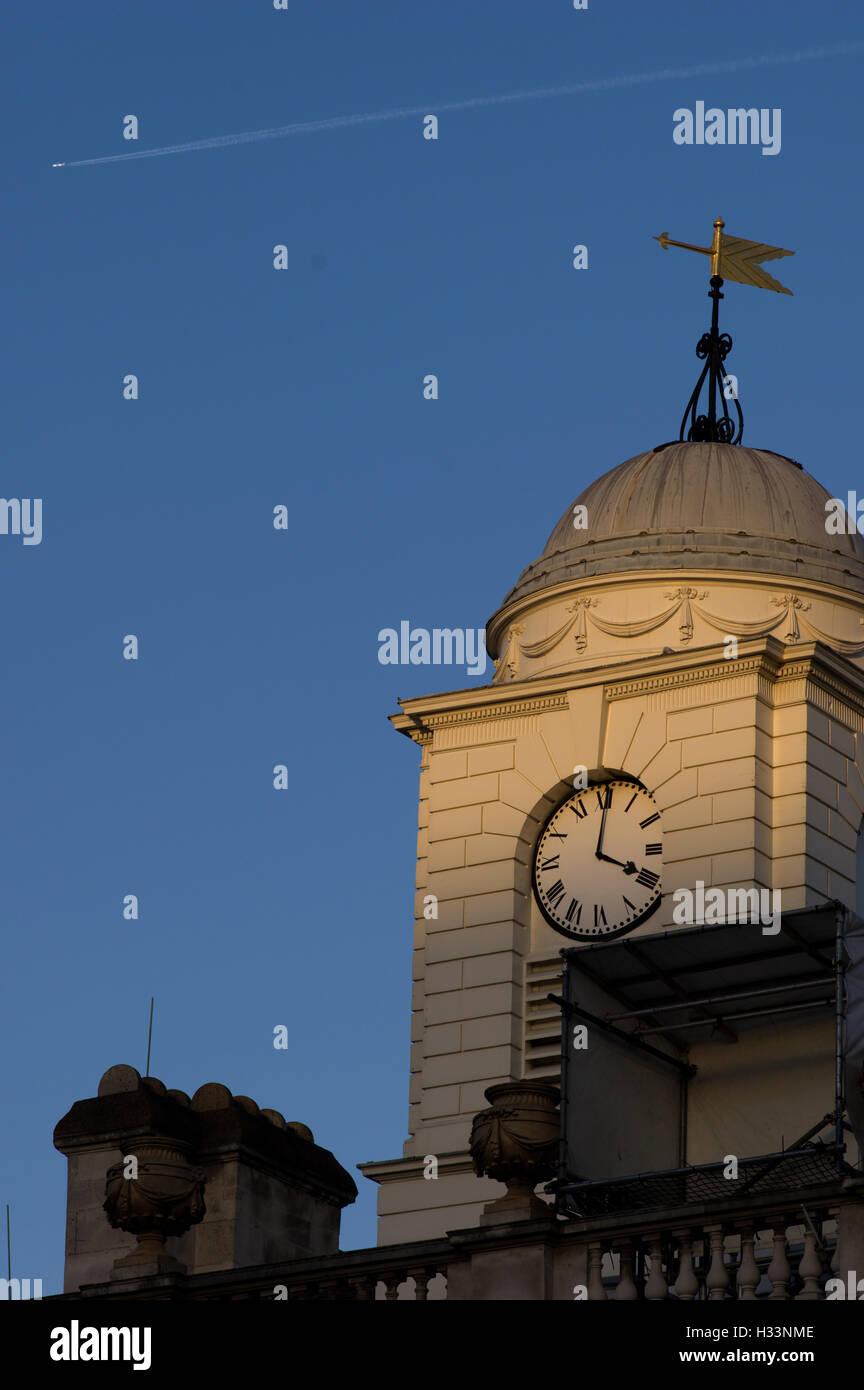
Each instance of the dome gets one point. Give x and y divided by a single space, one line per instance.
749 513
699 506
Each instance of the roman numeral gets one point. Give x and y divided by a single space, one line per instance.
604 798
598 911
653 849
550 863
571 909
556 835
579 809
632 906
649 820
647 879
630 802
555 892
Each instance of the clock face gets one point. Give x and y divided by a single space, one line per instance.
598 860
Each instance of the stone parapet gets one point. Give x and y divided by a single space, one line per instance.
268 1191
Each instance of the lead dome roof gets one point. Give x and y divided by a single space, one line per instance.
699 506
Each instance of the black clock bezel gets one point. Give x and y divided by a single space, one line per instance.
597 935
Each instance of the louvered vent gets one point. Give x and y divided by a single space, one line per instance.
542 1018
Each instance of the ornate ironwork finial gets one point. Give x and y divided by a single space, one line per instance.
714 347
738 260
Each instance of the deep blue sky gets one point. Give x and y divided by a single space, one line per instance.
304 387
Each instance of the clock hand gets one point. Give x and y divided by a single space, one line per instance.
629 867
599 850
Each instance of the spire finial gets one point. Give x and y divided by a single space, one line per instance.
737 260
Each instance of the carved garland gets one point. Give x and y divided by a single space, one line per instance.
685 602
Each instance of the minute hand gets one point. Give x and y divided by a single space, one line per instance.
629 867
599 849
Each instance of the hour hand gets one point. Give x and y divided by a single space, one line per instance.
629 867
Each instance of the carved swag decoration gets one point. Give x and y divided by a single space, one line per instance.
685 601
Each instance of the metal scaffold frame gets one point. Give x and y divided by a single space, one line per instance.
807 937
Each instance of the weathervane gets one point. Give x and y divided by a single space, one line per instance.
734 259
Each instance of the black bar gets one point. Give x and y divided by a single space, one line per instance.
629 1038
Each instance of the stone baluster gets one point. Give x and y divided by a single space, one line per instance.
363 1286
779 1270
700 1263
834 1262
655 1284
747 1273
830 1252
716 1275
421 1279
596 1290
686 1285
391 1284
626 1290
714 1272
810 1267
764 1253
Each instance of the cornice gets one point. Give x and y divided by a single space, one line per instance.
411 1166
488 709
830 690
760 664
766 658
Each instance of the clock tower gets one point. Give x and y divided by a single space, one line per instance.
678 700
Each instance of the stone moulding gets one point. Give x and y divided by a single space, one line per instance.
774 671
512 709
686 602
760 664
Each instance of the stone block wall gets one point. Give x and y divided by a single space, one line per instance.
757 765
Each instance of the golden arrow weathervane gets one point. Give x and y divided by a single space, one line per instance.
732 258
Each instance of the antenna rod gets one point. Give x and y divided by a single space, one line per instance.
149 1039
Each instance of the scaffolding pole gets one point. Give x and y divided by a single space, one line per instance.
839 1028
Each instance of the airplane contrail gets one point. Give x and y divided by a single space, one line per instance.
601 84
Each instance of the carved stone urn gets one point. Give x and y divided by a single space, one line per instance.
516 1142
164 1198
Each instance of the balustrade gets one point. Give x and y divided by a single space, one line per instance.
769 1256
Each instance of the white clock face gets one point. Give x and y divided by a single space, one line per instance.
598 861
